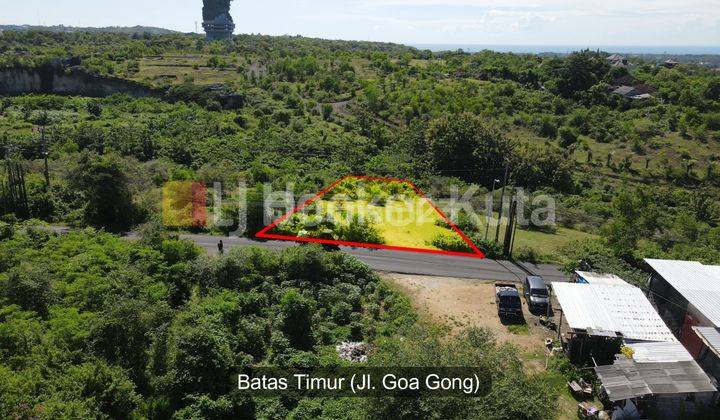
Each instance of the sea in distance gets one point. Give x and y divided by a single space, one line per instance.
566 49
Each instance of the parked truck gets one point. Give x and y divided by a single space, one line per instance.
507 299
536 294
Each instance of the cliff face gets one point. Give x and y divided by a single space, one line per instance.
17 81
76 81
73 81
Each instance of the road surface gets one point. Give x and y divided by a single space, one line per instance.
406 262
397 261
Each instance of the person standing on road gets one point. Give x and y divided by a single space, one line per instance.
221 246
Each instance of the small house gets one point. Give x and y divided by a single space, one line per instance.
602 314
617 60
687 295
658 380
641 91
626 91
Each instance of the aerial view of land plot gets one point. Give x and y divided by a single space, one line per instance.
360 209
372 212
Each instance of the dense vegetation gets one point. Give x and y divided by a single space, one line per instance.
317 110
641 173
93 326
139 30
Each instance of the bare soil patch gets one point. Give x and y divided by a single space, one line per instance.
461 303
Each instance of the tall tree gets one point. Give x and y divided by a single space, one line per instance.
581 71
104 186
467 147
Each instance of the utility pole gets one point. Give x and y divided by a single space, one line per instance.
514 233
510 228
489 216
502 198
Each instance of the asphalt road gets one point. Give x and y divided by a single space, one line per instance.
407 262
399 261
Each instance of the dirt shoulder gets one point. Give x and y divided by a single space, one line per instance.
460 303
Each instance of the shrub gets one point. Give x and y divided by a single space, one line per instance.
546 127
327 111
29 286
341 313
241 120
452 243
94 108
359 230
455 243
491 249
561 364
568 136
297 314
527 254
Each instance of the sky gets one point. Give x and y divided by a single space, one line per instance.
456 22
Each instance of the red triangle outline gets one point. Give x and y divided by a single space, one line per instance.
264 233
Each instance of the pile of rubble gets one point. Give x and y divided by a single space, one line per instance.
353 352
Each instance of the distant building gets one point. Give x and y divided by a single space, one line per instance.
641 91
643 88
617 60
626 91
670 63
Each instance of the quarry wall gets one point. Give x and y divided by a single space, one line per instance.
67 81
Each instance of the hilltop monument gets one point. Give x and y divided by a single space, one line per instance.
217 22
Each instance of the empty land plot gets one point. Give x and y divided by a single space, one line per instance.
371 212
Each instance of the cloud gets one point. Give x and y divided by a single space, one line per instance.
613 7
655 22
523 22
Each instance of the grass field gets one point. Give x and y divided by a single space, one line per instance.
175 69
547 243
409 223
666 149
387 212
544 243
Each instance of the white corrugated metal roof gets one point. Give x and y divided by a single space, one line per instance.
698 283
623 310
657 352
581 309
600 278
710 336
